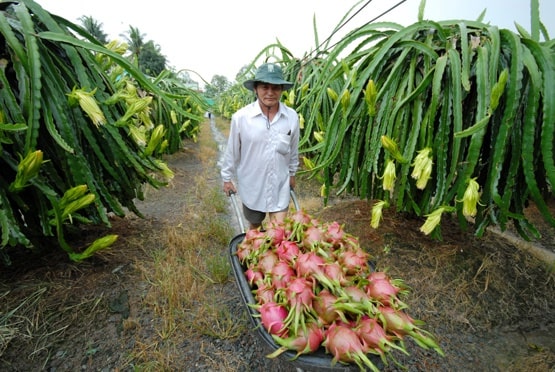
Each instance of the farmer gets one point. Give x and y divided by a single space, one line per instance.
262 149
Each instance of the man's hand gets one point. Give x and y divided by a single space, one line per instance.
292 182
229 188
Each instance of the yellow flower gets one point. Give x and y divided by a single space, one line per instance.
471 198
422 168
131 89
77 204
27 169
389 176
323 190
88 103
137 107
434 219
167 173
97 245
185 125
345 99
155 139
304 89
301 121
377 209
370 95
309 164
319 136
138 135
391 147
163 146
332 94
72 194
290 100
144 118
117 46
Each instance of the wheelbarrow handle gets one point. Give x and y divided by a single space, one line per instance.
295 201
237 212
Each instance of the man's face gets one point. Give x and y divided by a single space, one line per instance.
269 94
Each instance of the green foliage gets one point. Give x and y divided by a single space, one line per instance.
480 98
68 109
467 90
151 60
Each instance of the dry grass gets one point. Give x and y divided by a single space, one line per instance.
543 361
43 314
185 276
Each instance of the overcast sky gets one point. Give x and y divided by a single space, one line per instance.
218 37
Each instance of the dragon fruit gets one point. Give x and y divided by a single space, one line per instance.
400 323
376 338
343 343
282 274
383 289
272 316
288 251
308 340
314 289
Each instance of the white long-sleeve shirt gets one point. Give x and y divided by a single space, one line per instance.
262 159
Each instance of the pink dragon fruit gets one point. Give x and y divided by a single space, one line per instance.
335 272
267 262
265 293
334 234
308 340
287 251
400 324
272 316
344 344
299 294
254 277
282 274
324 306
375 337
313 237
275 232
381 288
354 261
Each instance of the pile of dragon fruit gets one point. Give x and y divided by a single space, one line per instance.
315 289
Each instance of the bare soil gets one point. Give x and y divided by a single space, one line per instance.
490 304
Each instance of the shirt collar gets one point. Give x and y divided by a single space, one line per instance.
255 109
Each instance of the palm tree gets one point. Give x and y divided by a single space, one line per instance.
135 42
94 28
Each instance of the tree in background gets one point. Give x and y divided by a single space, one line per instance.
94 28
151 60
217 86
145 55
135 42
243 71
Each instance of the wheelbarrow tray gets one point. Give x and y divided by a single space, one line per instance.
316 361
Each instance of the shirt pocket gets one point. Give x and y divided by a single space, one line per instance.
283 143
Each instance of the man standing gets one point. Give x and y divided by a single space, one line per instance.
262 149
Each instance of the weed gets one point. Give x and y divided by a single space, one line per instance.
214 320
219 268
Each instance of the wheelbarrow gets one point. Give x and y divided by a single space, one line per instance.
316 361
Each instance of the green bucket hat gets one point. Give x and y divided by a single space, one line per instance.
268 73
